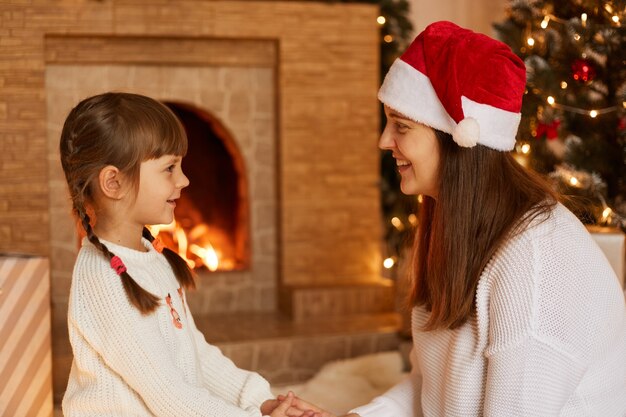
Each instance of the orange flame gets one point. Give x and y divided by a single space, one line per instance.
200 252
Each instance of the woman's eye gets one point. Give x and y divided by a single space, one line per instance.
401 127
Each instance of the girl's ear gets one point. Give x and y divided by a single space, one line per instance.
111 182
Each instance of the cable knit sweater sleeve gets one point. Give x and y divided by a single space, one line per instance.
245 388
403 400
131 345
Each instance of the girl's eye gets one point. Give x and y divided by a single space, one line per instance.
171 168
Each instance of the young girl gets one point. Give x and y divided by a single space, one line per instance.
516 310
137 351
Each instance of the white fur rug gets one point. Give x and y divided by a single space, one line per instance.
342 385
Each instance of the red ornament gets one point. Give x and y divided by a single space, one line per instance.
621 124
583 70
551 130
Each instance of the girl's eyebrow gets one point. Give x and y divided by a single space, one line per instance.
173 160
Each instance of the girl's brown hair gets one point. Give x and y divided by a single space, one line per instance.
123 130
484 198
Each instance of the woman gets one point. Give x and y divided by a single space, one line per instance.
516 310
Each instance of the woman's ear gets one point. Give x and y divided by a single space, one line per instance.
111 182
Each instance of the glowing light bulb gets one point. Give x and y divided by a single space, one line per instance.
545 21
388 263
577 37
606 213
413 219
381 20
574 181
615 19
388 38
525 148
530 41
583 18
397 223
420 198
593 114
550 100
563 85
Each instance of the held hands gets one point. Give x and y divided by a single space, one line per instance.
297 408
279 408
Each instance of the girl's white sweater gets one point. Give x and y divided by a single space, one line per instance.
548 337
130 364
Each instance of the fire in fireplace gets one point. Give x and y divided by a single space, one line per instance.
211 226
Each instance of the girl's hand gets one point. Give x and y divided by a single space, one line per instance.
307 409
281 409
268 406
284 408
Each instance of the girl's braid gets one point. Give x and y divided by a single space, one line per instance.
145 301
179 265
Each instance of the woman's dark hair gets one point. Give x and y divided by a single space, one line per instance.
484 197
123 130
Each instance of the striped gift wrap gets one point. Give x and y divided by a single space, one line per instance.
25 344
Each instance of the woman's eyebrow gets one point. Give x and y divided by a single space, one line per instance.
395 115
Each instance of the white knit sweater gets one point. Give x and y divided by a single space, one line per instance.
548 339
130 364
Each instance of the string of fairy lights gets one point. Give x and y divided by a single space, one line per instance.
530 41
609 216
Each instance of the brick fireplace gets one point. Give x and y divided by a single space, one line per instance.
291 87
240 101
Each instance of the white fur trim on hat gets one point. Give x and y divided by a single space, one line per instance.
411 93
497 127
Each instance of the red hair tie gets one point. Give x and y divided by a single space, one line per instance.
118 265
158 245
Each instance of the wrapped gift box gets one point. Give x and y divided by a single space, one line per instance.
612 243
25 344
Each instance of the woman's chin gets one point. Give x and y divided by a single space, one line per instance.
408 189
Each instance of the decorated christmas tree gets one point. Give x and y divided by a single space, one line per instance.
573 124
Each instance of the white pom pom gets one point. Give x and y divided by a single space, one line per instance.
466 133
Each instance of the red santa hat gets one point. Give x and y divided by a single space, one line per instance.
460 82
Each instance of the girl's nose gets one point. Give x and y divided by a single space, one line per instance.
183 181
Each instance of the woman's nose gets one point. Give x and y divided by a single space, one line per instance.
386 140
